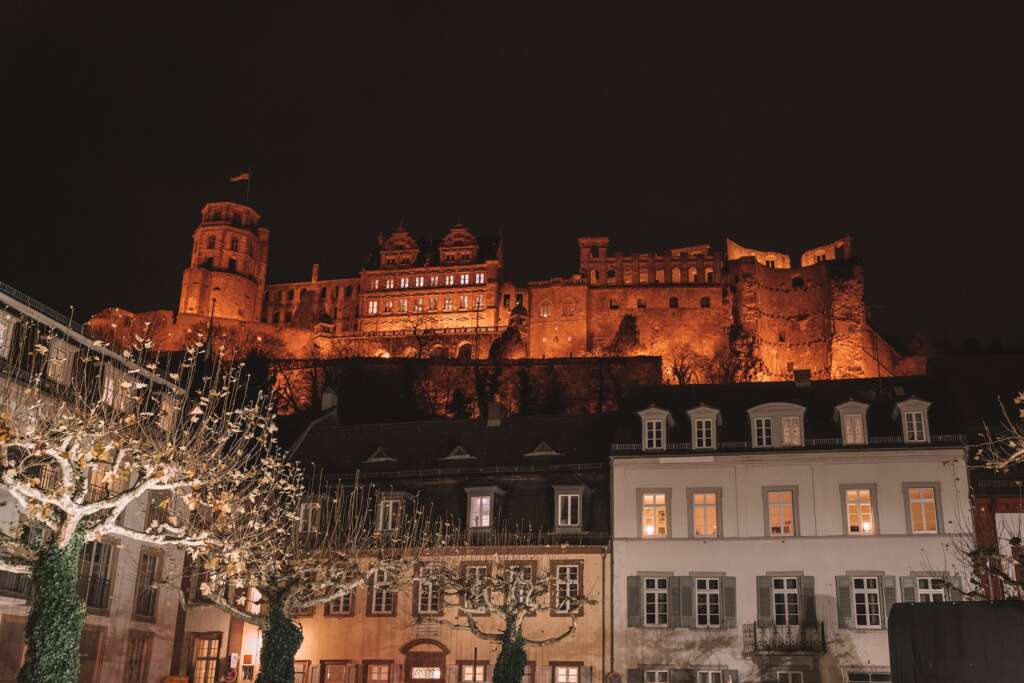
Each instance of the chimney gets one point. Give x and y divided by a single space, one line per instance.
802 378
495 412
316 272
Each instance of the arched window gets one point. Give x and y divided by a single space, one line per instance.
709 275
705 302
568 307
545 310
691 274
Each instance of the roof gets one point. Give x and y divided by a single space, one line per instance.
429 254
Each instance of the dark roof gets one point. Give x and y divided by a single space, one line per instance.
820 399
429 254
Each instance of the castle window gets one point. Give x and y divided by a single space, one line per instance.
627 276
613 304
448 303
819 257
208 262
371 308
277 296
464 278
691 275
673 302
291 295
434 280
232 265
770 263
403 306
506 300
610 275
211 242
389 283
595 276
659 276
644 276
388 305
519 299
432 303
449 280
594 252
348 291
545 310
403 282
463 301
376 284
782 336
419 280
481 278
709 275
705 302
323 292
234 244
568 307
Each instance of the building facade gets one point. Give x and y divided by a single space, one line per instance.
762 533
130 623
737 314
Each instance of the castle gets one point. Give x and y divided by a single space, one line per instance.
711 316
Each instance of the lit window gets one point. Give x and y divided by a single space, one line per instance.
376 284
420 280
705 514
568 509
389 516
472 673
791 430
786 600
545 310
567 674
464 278
205 657
378 673
867 606
913 422
388 305
780 513
762 432
463 302
480 512
403 306
859 513
654 434
654 515
770 263
567 587
923 516
709 602
930 589
448 303
403 282
338 606
383 598
389 283
371 307
655 601
702 433
480 278
449 279
853 429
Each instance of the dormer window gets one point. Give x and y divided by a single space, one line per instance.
481 504
655 423
704 422
389 512
777 425
458 453
542 449
913 416
569 508
852 419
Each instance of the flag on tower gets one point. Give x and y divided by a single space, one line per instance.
240 177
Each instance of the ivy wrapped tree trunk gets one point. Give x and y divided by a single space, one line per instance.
281 640
511 662
57 616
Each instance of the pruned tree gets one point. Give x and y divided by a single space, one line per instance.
84 434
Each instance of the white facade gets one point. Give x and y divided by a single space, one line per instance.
762 568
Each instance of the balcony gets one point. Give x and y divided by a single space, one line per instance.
94 591
773 639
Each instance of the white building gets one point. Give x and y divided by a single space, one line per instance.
129 627
762 532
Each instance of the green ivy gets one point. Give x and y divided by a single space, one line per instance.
281 640
511 662
55 622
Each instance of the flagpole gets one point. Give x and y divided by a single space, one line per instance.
248 185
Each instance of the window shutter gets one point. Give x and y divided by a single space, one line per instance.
453 673
635 676
396 673
956 588
808 606
587 674
729 601
843 607
686 601
674 589
908 590
764 601
732 676
889 597
634 615
682 676
353 674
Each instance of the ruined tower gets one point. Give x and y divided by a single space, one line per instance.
228 270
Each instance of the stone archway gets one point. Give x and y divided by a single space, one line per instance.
464 351
424 660
438 351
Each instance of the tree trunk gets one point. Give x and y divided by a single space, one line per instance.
511 662
55 622
281 640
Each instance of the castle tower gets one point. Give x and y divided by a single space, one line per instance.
228 271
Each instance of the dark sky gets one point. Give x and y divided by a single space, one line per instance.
780 127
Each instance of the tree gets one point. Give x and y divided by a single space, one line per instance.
84 434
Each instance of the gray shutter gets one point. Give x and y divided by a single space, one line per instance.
396 673
682 676
908 588
732 676
956 588
765 617
889 597
729 602
808 608
453 673
587 674
843 606
635 676
353 674
686 601
674 589
634 602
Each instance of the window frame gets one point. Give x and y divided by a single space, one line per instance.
205 636
342 611
157 556
481 492
666 591
787 613
640 493
389 606
386 508
698 592
875 522
690 510
576 607
569 492
433 595
763 434
662 419
914 406
936 500
794 492
866 591
704 414
852 409
146 638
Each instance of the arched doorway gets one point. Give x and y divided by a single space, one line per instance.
438 351
424 661
465 351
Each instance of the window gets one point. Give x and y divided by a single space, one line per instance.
94 574
448 303
478 302
567 587
309 517
376 284
476 573
781 516
705 302
428 600
472 673
568 307
480 278
704 506
389 305
819 257
145 589
382 600
390 515
691 275
709 276
432 303
644 276
791 427
464 279
655 601
6 334
702 434
291 295
234 244
656 676
654 515
673 302
449 279
923 514
403 282
868 677
853 429
762 432
422 673
613 303
339 606
377 673
463 302
545 310
929 589
771 264
867 609
371 307
403 305
859 512
205 653
506 300
435 280
480 512
568 509
417 305
137 658
640 303
913 423
60 358
420 280
389 283
709 602
211 242
654 434
786 600
709 677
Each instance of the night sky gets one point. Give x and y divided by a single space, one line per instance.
781 127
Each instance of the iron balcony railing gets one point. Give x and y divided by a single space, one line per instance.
773 638
15 585
94 591
830 442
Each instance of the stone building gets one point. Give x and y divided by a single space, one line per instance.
711 316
